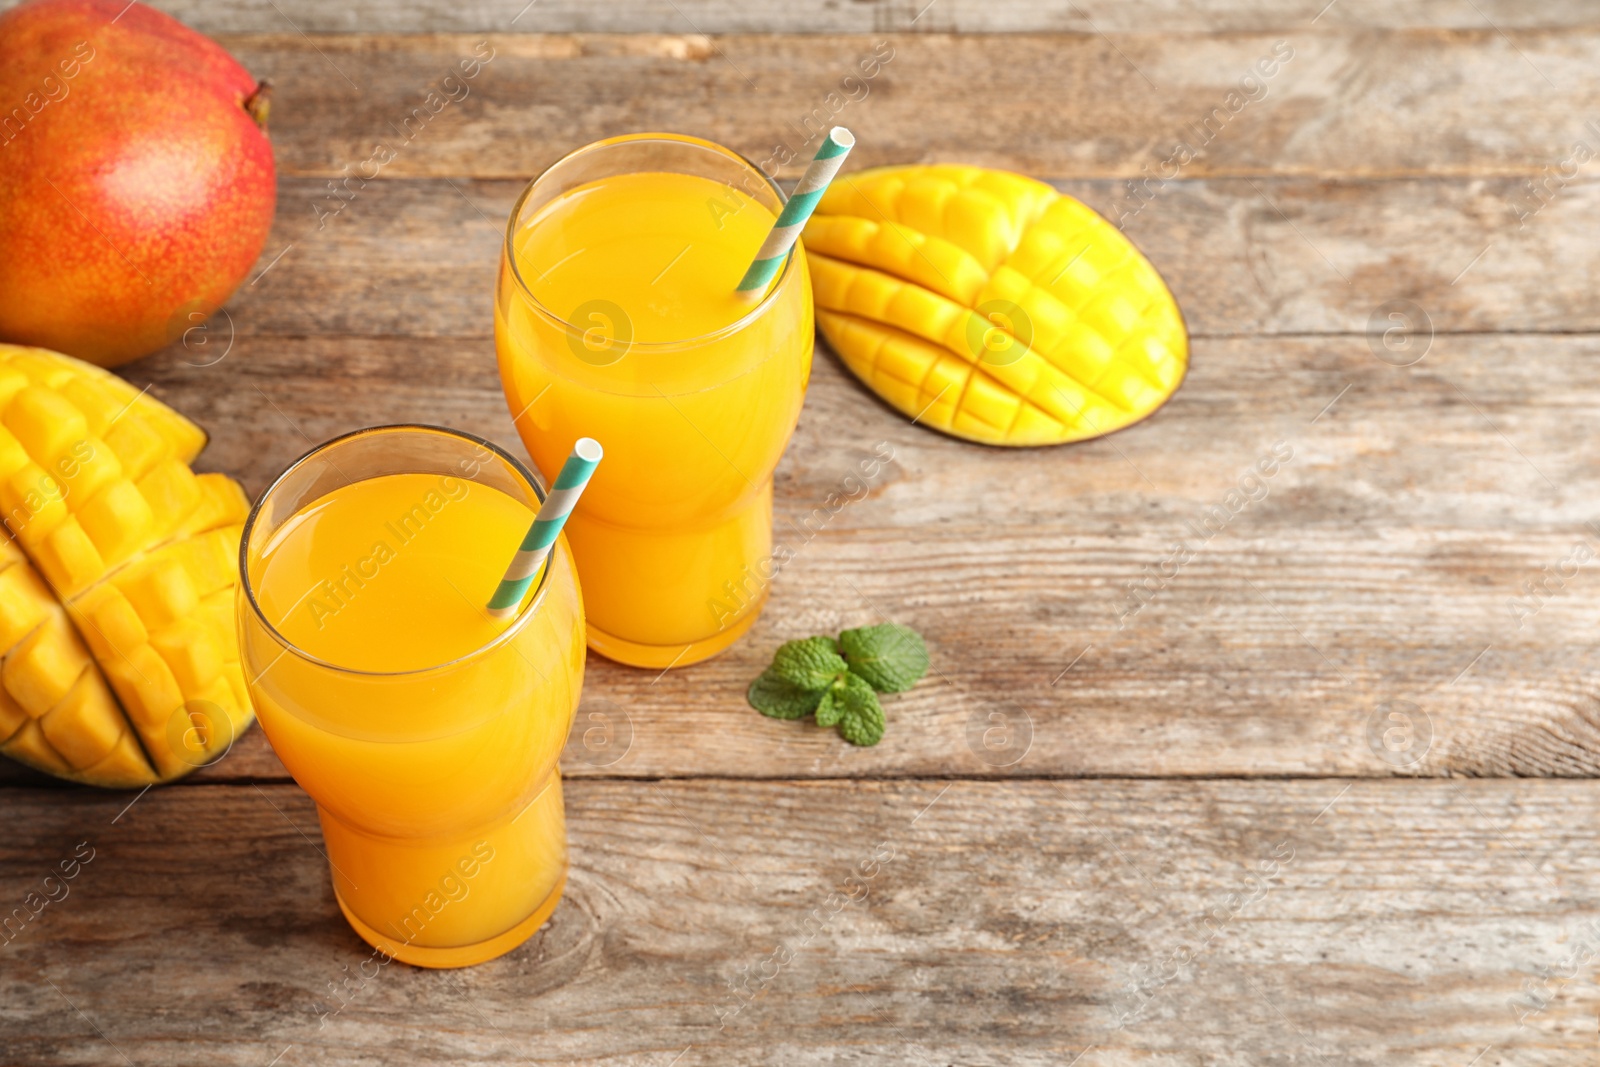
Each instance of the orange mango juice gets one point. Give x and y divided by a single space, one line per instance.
617 318
426 730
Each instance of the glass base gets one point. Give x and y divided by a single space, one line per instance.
462 955
661 657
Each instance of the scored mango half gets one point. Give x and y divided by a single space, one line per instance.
119 664
988 305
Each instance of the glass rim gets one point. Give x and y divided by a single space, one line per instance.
507 250
528 610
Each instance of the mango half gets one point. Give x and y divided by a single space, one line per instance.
119 663
988 305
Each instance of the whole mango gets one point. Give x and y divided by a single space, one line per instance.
136 180
119 663
988 305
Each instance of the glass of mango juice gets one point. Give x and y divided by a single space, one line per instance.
426 730
616 316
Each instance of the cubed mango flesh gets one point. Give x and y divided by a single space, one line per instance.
991 307
119 664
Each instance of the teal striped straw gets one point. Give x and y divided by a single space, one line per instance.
786 231
558 504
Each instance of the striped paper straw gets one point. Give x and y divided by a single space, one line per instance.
575 474
786 231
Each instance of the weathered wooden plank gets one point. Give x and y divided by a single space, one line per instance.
1394 540
858 16
1155 922
1386 562
1243 256
1347 103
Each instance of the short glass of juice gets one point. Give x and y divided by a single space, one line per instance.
426 730
616 317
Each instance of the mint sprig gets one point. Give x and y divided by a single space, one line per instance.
838 681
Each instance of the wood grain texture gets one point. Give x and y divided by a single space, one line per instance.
1392 924
1477 103
1387 562
1243 256
1072 858
860 16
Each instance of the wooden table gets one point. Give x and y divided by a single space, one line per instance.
1327 798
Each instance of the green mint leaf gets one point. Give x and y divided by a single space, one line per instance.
890 657
778 698
866 727
831 708
862 721
809 664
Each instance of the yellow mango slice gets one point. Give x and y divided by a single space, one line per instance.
989 306
119 664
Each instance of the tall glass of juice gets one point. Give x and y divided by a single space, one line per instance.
426 730
617 317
